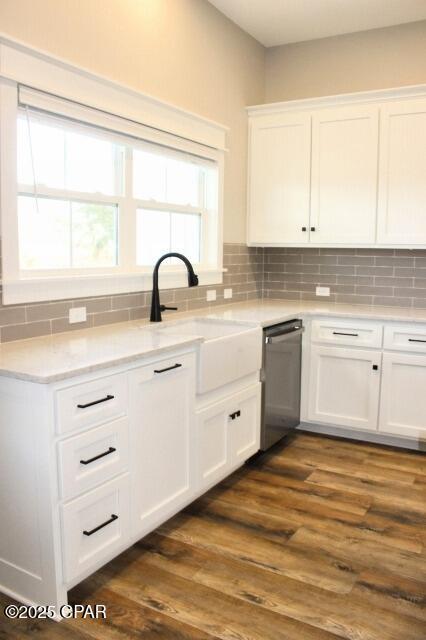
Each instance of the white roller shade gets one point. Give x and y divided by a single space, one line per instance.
47 103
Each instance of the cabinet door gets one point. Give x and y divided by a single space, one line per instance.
402 178
279 179
228 432
344 175
244 425
162 417
212 444
344 387
403 403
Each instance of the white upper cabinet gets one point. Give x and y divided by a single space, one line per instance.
351 170
402 183
280 148
344 175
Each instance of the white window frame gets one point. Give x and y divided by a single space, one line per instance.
127 278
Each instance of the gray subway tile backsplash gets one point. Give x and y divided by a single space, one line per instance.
384 277
244 274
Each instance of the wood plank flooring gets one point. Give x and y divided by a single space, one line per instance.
318 539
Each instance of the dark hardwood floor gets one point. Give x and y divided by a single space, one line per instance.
319 539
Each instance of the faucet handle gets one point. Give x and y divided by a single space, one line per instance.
164 308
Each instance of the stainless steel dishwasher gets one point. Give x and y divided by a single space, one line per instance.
281 377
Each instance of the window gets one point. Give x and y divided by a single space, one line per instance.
95 201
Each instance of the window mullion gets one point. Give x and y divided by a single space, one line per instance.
127 220
71 236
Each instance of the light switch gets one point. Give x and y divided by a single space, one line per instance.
227 293
211 295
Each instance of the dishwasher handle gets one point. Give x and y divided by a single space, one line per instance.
284 336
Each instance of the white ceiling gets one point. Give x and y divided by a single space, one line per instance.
274 22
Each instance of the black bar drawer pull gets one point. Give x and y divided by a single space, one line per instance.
101 526
91 404
340 333
234 415
101 455
175 366
415 340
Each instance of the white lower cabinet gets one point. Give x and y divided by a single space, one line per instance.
162 410
212 443
244 432
94 526
227 434
403 402
344 386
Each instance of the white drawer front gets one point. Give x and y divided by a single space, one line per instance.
404 337
93 457
94 526
91 403
347 332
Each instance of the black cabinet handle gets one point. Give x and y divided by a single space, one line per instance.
303 228
234 415
175 366
415 340
101 455
91 404
101 526
375 367
313 229
340 333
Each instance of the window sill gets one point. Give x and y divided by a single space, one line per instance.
40 289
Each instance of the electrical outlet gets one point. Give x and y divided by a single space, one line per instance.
227 293
211 295
77 314
322 291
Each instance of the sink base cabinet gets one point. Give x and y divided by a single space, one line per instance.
227 434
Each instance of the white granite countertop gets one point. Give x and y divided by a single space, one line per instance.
266 312
54 358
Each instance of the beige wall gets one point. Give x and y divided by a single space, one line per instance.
376 59
189 54
181 51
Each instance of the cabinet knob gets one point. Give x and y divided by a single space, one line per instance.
303 228
375 367
313 229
